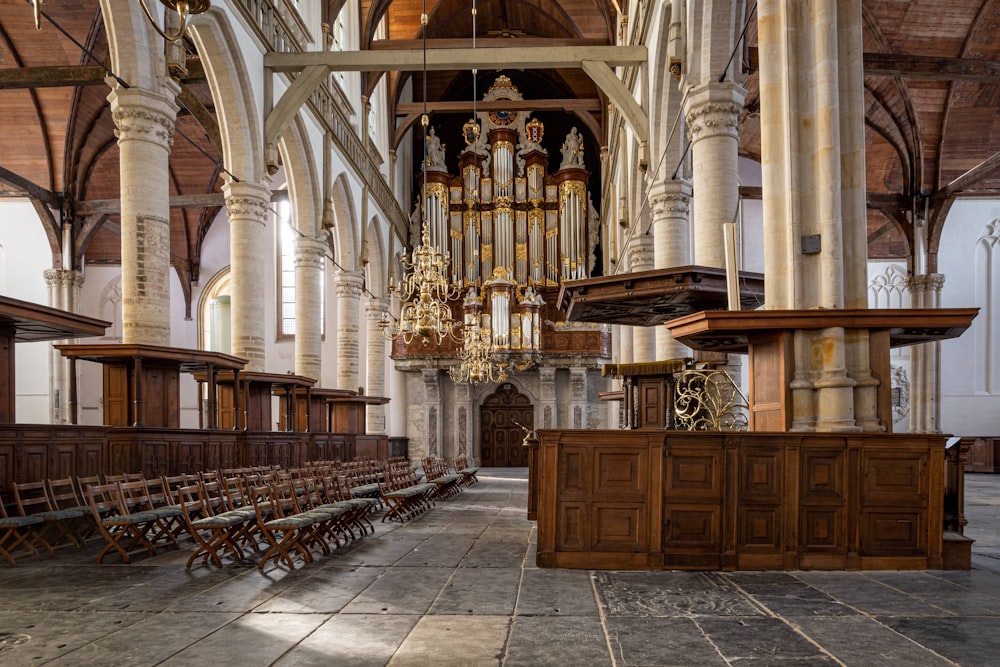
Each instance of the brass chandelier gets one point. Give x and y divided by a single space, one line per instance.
184 8
425 290
478 355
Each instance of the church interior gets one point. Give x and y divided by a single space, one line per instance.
708 287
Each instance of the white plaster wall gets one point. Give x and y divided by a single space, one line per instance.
963 410
25 255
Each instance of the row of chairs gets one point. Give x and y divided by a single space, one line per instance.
281 514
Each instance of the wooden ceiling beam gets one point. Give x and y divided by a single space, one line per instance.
484 43
23 187
96 207
76 75
981 171
568 105
931 67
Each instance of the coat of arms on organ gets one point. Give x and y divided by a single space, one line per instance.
513 229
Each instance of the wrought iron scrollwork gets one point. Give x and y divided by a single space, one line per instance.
709 400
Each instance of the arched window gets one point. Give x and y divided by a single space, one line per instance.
214 309
287 241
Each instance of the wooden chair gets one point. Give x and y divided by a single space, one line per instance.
33 499
403 495
17 531
122 531
210 532
468 473
64 494
136 498
280 526
436 472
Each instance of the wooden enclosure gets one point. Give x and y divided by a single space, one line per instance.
653 499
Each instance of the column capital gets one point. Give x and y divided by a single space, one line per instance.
714 109
925 281
377 307
309 252
670 198
249 201
349 284
640 253
63 278
143 115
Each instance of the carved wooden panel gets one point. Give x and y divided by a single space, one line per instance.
693 527
692 475
651 408
822 529
894 478
90 459
6 463
574 473
893 533
571 534
823 475
32 461
618 473
62 460
117 401
759 529
761 475
619 527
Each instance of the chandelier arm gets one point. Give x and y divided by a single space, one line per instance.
182 13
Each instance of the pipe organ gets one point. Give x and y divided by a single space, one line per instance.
513 229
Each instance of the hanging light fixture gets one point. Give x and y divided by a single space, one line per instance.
184 8
425 290
478 353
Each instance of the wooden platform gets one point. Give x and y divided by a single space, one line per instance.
648 499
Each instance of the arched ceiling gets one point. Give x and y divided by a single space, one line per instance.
932 103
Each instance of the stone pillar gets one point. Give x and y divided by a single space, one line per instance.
925 360
812 141
376 365
144 123
432 411
348 285
309 256
548 407
670 204
64 293
712 114
248 205
578 397
640 257
464 422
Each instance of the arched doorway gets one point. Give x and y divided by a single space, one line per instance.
500 435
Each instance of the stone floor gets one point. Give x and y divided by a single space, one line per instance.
458 586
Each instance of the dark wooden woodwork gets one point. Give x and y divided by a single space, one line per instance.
347 414
142 382
984 454
647 392
22 321
305 409
739 501
244 398
503 417
648 298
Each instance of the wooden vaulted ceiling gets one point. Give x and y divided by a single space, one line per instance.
932 103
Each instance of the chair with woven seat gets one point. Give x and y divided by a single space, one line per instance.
136 498
279 525
211 533
64 494
18 531
123 532
33 499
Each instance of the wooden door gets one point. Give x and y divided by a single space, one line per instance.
500 435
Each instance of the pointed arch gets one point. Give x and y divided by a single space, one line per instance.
233 94
304 190
345 227
377 268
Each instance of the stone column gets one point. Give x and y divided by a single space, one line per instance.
376 367
812 140
670 204
309 256
249 249
432 411
578 397
348 285
640 257
925 360
712 114
64 293
464 408
548 408
144 123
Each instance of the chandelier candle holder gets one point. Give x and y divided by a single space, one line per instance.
478 354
